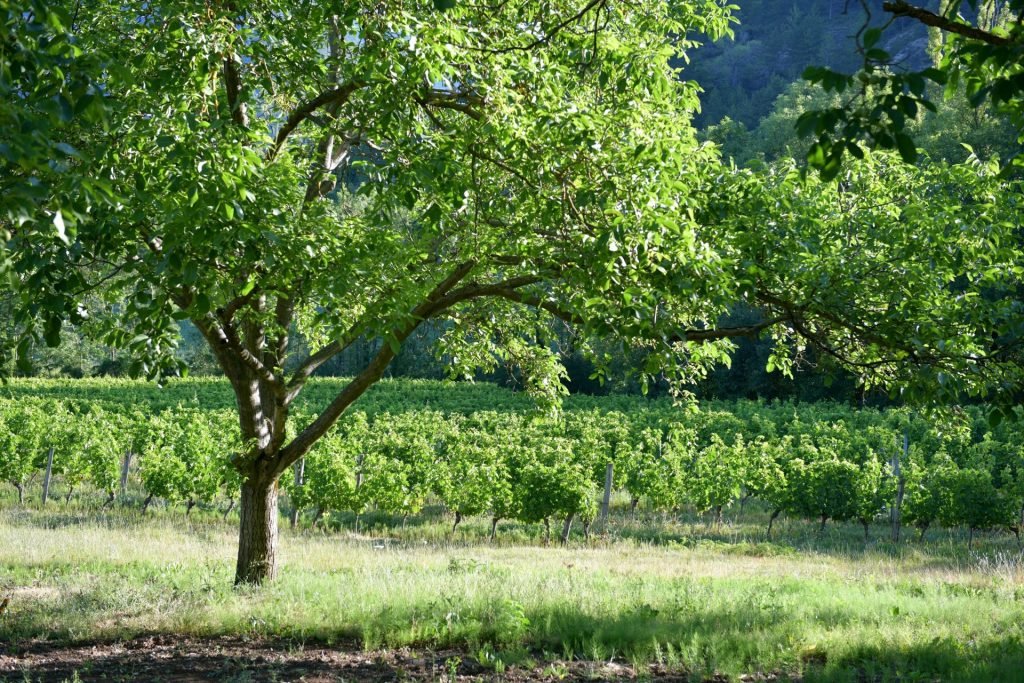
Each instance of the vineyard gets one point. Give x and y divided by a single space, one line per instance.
479 451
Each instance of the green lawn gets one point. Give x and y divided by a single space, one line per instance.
710 601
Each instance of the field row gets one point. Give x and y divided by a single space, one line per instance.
822 462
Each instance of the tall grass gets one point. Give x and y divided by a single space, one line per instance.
676 594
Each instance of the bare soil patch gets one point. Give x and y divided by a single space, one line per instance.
175 659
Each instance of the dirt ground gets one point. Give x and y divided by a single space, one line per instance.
171 659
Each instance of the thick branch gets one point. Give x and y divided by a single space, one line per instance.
337 346
692 335
231 339
902 9
458 101
233 88
333 97
434 304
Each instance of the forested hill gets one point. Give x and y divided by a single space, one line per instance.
777 39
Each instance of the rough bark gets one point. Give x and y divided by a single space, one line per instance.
258 537
771 521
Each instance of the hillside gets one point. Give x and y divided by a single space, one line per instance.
775 40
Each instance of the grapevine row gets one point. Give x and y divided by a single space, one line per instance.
820 462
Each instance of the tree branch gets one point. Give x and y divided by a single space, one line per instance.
333 97
549 34
454 99
692 335
311 364
435 303
233 89
903 9
230 338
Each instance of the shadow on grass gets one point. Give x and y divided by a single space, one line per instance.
747 641
683 636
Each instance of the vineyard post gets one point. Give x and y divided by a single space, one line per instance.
125 466
48 475
300 480
897 472
606 502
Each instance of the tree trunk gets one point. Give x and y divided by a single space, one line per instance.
718 516
821 529
970 538
319 513
49 474
494 528
188 507
257 537
606 501
300 480
771 520
21 492
547 531
458 518
145 504
67 498
231 506
126 465
924 528
567 528
110 499
867 531
632 507
586 529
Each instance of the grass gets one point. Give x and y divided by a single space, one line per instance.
654 593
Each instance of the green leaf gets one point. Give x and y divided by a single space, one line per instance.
905 145
871 37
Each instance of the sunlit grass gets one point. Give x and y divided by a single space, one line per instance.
677 594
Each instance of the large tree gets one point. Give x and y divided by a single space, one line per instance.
519 165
